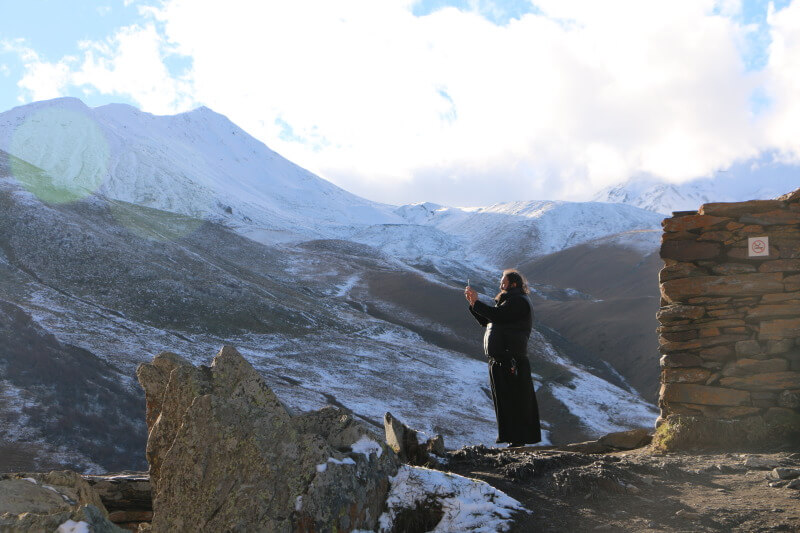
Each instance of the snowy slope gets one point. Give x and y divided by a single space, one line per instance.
196 163
752 180
302 315
507 233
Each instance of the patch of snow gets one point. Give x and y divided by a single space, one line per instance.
468 504
322 467
345 287
601 406
73 527
366 446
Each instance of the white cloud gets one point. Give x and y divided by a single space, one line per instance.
41 80
583 97
783 83
453 108
132 63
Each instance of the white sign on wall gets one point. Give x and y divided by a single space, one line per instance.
757 246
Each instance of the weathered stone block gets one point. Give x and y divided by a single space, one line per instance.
736 331
706 301
699 324
720 323
703 395
780 265
710 332
677 360
778 347
680 270
678 236
772 381
728 413
748 348
692 222
682 409
792 283
780 297
764 395
790 250
669 346
679 312
781 328
756 366
751 229
680 290
737 209
685 375
679 336
722 313
772 218
717 353
690 250
726 269
774 310
715 236
627 440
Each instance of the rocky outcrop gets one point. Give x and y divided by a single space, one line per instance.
729 327
226 455
50 502
405 443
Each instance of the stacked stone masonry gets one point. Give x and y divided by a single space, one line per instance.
730 321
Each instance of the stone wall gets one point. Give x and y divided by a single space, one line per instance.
730 317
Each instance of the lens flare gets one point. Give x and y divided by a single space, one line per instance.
69 146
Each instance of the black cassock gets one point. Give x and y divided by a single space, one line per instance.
508 325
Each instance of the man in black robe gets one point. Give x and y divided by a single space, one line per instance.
508 325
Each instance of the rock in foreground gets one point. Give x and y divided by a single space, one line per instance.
50 502
226 455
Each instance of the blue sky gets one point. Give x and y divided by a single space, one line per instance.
53 30
402 101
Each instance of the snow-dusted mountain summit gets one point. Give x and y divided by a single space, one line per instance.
760 179
197 163
202 165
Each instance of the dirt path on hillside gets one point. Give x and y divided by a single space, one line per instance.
641 491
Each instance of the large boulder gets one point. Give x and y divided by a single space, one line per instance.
45 502
226 455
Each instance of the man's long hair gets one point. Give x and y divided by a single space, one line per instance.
516 277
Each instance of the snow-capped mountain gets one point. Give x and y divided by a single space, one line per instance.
202 165
760 179
197 163
512 232
129 240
